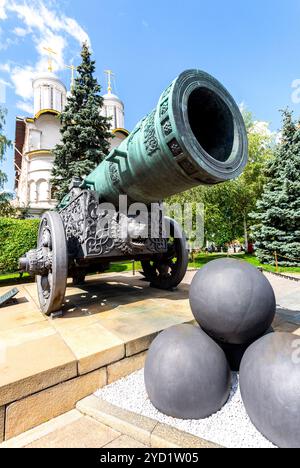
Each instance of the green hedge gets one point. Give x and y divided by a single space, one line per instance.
17 236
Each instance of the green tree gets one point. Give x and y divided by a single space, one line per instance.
85 133
228 205
5 197
277 216
249 186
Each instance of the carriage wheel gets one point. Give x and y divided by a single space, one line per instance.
168 271
52 284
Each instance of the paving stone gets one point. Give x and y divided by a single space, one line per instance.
280 324
137 322
133 425
93 346
139 345
124 442
125 367
31 289
165 436
43 406
83 433
24 312
32 358
41 431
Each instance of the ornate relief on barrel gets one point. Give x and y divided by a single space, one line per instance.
150 141
164 108
175 147
188 167
167 127
114 173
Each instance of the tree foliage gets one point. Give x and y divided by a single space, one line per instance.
16 238
277 216
85 132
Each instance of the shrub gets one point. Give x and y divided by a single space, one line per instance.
16 238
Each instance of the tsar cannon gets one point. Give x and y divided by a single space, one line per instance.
196 135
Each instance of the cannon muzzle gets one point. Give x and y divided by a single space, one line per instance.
196 135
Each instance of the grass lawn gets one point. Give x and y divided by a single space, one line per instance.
11 279
200 260
203 259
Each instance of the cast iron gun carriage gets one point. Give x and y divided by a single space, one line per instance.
196 135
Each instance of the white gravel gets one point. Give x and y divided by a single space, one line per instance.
230 427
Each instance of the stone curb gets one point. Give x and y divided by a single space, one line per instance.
145 430
280 275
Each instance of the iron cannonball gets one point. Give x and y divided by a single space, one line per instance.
270 387
232 301
186 373
235 353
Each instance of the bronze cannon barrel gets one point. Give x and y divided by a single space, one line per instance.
196 135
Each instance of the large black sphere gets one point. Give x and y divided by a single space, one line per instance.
186 373
232 301
270 387
235 353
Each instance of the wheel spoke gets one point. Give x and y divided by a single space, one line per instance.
167 271
52 240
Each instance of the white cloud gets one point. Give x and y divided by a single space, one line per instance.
35 15
261 128
2 9
72 27
21 32
48 27
243 107
22 81
5 67
56 43
26 107
5 83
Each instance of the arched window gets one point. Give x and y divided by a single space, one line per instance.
53 192
32 192
47 97
42 191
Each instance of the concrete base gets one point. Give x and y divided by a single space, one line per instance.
47 366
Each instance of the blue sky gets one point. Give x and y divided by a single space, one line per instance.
252 47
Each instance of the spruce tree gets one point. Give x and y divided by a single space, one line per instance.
85 133
277 217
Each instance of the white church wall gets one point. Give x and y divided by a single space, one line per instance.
46 95
41 163
43 190
32 192
34 141
116 140
49 126
114 108
49 93
120 117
